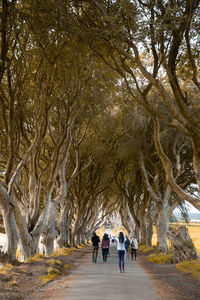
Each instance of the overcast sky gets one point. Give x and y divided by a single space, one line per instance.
190 207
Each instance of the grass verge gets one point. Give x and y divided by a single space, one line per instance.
192 267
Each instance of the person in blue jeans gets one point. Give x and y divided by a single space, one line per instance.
121 250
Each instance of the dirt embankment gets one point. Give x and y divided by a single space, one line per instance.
170 283
29 279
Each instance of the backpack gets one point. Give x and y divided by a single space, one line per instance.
127 243
132 245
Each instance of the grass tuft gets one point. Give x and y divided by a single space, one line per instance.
37 257
6 268
161 258
146 249
47 278
53 273
54 262
13 282
192 267
67 266
62 251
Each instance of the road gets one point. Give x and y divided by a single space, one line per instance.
102 281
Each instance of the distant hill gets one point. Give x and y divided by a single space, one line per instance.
193 217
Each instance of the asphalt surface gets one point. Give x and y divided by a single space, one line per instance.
103 281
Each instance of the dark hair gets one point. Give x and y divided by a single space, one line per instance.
105 237
94 233
121 237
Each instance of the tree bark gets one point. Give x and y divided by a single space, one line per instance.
149 234
12 235
64 227
182 244
163 221
143 228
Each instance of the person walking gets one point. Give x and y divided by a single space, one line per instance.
105 246
134 246
121 250
127 244
95 242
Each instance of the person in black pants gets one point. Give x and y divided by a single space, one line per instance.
105 246
95 242
134 246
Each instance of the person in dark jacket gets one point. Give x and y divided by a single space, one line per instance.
127 244
95 242
105 246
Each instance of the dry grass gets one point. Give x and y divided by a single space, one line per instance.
194 231
161 258
146 249
54 262
37 257
63 251
192 267
67 266
52 275
6 268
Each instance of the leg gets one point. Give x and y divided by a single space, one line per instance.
96 253
93 253
135 253
127 253
122 259
132 253
105 254
119 259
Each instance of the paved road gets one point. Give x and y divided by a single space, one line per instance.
102 281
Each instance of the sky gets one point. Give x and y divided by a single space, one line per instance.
190 207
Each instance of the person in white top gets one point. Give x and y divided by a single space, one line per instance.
121 250
134 246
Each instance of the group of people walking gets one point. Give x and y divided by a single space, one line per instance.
123 246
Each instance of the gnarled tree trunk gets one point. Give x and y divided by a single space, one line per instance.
149 232
182 244
12 235
64 226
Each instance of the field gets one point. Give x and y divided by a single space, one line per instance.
194 231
